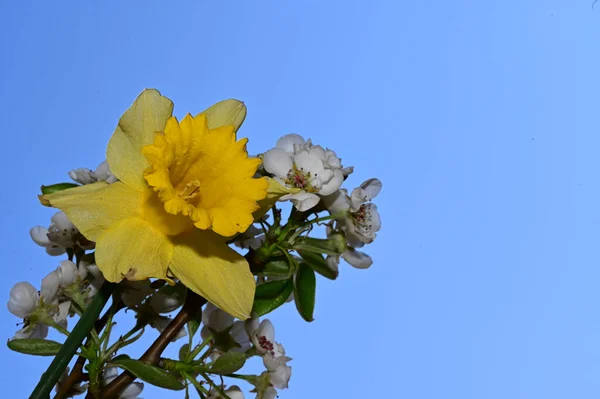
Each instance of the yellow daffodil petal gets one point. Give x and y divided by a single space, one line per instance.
275 190
203 262
137 127
205 174
226 112
131 249
93 208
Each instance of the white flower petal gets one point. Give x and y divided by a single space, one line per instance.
318 151
270 393
39 235
359 260
374 219
220 320
61 221
337 202
266 330
333 262
372 187
277 162
50 285
347 171
63 313
286 143
281 376
163 303
308 162
132 391
333 184
82 176
161 322
55 250
37 331
67 273
303 201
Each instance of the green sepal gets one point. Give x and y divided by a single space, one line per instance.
149 373
305 287
35 346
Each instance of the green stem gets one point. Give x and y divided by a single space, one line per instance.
215 386
72 343
198 348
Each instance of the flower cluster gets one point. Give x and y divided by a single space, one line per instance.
154 227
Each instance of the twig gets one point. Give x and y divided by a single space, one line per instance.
191 306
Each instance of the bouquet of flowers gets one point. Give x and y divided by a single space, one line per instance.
180 219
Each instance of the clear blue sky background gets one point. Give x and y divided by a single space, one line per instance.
480 118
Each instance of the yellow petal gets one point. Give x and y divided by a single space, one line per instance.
226 112
274 192
206 265
92 208
133 250
137 128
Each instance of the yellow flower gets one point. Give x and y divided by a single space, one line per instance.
184 188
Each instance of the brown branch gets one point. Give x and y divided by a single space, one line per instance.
77 375
190 308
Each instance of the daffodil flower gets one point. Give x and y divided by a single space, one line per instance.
184 188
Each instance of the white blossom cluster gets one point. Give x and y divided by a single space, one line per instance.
319 174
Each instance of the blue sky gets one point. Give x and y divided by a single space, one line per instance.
479 117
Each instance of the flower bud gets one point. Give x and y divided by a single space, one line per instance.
23 299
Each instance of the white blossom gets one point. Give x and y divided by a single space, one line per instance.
263 339
59 236
362 220
296 163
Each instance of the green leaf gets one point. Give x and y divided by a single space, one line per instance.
228 363
150 374
34 346
334 245
270 289
277 267
57 187
305 287
317 262
278 292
